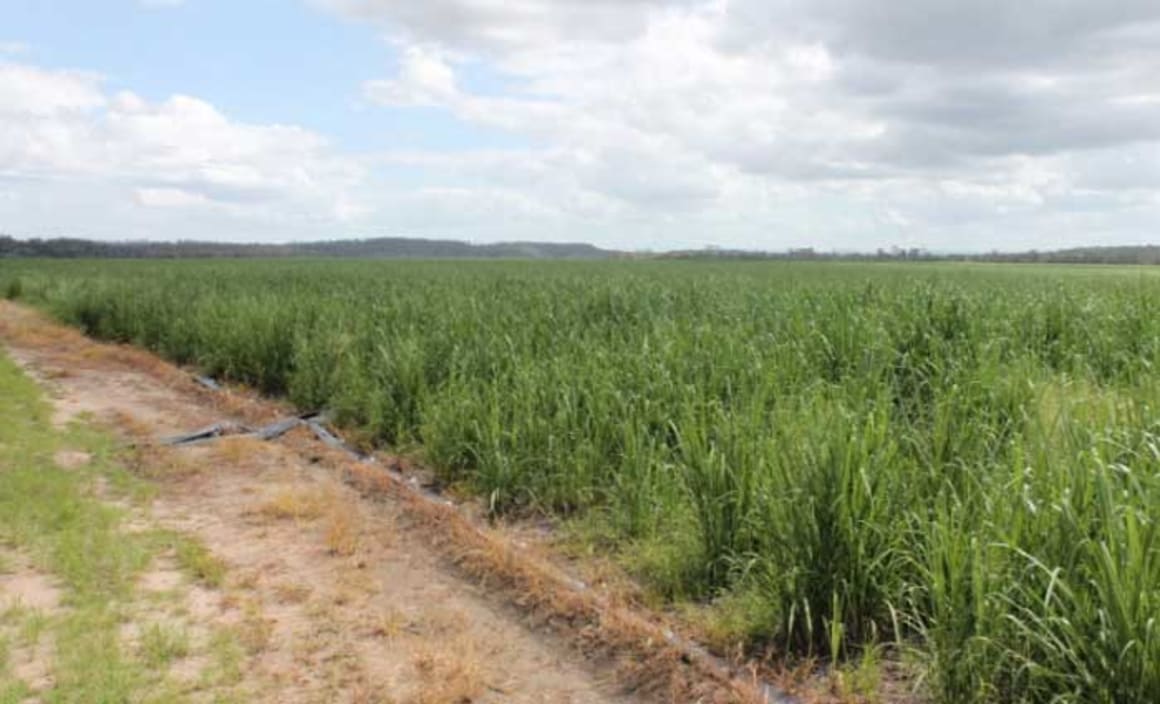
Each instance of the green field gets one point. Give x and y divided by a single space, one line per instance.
958 462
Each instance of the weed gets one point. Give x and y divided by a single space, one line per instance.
161 644
227 657
196 559
14 289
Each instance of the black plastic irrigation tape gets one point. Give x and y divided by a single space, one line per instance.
278 429
210 432
208 383
314 421
273 431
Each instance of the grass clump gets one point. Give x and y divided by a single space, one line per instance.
197 560
297 505
161 644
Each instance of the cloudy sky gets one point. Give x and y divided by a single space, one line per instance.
839 124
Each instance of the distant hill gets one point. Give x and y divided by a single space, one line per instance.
408 248
382 247
398 247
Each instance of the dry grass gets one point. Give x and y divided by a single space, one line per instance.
160 463
388 624
292 593
296 504
30 328
343 517
24 326
240 450
255 630
343 525
133 426
443 622
451 674
636 640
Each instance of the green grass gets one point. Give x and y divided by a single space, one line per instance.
49 513
227 657
197 560
51 517
161 644
956 461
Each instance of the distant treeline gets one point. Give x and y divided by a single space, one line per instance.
1145 254
1142 254
383 247
404 248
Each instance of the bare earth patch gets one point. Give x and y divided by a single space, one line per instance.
160 578
25 590
71 459
24 587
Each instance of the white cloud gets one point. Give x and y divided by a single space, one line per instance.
25 90
60 132
168 198
477 24
425 78
655 123
12 48
736 113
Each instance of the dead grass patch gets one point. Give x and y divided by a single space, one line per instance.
296 504
26 327
343 528
240 449
389 624
29 328
160 463
255 630
290 593
646 656
341 535
443 622
132 425
451 674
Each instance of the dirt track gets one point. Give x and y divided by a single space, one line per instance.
353 607
344 600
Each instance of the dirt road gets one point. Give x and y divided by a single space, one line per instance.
338 597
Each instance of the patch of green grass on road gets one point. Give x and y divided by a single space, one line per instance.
61 524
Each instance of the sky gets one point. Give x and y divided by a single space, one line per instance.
633 124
